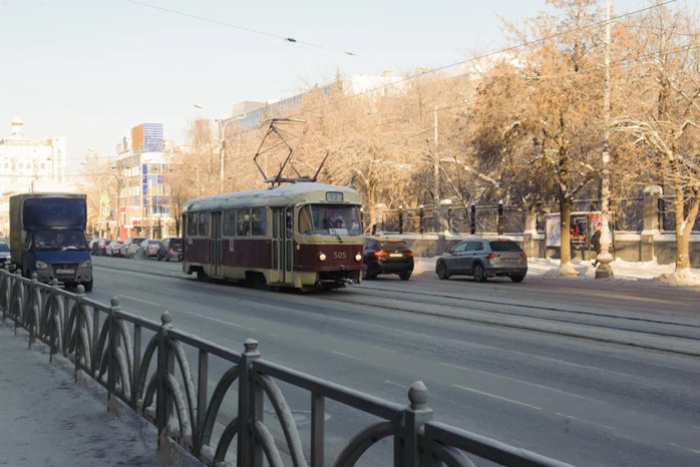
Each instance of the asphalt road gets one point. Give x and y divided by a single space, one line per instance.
587 372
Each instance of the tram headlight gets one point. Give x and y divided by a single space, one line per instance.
322 256
358 257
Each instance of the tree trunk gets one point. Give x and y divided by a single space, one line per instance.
565 210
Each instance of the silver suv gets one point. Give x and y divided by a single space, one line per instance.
483 258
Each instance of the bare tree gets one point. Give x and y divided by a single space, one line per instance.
663 112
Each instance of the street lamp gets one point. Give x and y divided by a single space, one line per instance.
222 124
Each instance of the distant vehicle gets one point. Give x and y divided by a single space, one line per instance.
483 258
4 253
149 248
47 237
102 246
387 257
114 248
131 246
93 244
170 249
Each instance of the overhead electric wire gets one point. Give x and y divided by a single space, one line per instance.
67 104
461 62
242 28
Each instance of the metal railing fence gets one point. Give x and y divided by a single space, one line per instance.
145 365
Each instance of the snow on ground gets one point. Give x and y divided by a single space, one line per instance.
48 420
664 274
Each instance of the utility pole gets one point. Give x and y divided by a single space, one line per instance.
604 257
222 149
436 158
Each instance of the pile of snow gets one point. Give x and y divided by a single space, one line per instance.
624 270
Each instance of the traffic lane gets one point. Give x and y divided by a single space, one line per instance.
391 364
643 296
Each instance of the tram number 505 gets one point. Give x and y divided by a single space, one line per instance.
340 255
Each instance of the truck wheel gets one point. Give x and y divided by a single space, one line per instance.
88 286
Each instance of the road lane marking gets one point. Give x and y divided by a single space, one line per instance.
221 321
548 388
141 301
348 356
571 417
683 447
496 397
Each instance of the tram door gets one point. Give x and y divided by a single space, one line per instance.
282 244
216 266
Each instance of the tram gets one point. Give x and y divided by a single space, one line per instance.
305 235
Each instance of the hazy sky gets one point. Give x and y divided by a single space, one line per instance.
91 69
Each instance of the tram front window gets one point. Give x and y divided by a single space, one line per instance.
329 219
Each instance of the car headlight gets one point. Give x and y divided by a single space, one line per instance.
86 264
358 257
41 265
322 256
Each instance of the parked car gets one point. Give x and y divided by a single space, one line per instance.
387 257
114 248
170 249
93 245
131 246
149 249
102 246
483 258
4 253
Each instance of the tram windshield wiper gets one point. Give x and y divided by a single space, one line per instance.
337 235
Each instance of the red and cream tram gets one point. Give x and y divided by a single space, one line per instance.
305 235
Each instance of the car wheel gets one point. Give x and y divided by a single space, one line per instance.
517 278
405 276
442 271
88 286
479 273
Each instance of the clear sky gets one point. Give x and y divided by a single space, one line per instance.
91 69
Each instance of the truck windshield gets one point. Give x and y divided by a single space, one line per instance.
59 240
329 219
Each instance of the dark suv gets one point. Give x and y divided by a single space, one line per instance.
387 257
170 248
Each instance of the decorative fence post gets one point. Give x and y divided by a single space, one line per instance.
112 346
415 415
249 408
653 220
421 215
500 218
162 403
472 220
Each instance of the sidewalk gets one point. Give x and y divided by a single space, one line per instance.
48 420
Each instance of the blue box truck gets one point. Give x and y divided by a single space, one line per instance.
47 237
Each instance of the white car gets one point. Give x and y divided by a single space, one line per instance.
131 246
113 248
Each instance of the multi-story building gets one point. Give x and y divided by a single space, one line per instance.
144 202
29 165
251 113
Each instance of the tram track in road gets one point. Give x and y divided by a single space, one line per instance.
546 309
661 340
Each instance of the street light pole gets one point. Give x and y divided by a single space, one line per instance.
436 159
604 258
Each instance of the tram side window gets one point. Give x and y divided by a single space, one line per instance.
192 224
230 223
243 223
259 222
203 224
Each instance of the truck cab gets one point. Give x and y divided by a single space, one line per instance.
47 237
